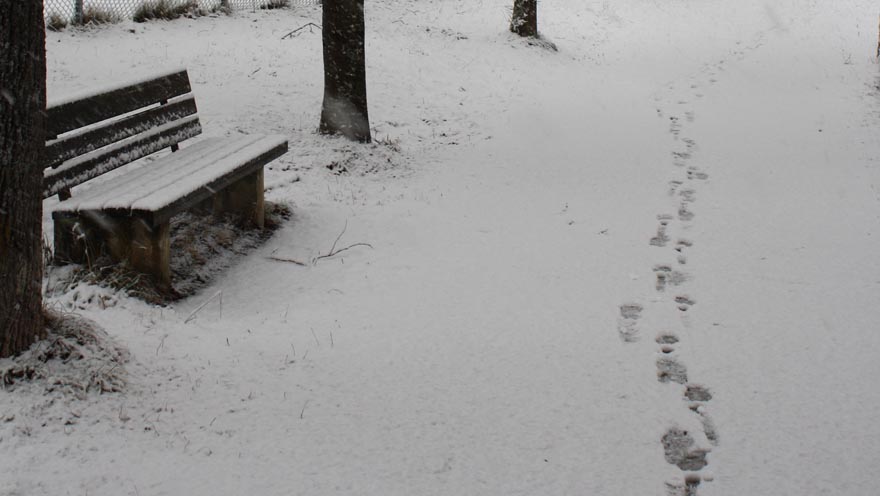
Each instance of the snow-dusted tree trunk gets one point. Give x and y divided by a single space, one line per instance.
22 139
524 21
344 110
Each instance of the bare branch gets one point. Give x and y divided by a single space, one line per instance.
308 25
333 251
337 252
340 236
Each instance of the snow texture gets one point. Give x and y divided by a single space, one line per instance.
511 197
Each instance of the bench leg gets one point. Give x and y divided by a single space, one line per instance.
149 250
70 246
77 239
83 238
244 197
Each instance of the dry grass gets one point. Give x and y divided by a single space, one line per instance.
77 357
167 10
201 248
93 16
275 4
56 22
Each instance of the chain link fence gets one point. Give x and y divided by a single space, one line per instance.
73 11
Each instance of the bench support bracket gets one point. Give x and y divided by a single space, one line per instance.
244 197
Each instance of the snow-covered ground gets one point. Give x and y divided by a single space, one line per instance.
702 174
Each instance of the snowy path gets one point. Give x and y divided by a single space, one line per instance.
665 234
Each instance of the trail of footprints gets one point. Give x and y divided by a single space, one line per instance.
679 446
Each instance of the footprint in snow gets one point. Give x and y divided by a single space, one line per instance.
708 427
681 157
688 195
686 488
630 313
684 214
667 338
660 239
696 174
678 448
674 126
666 342
684 302
682 243
696 392
666 276
671 370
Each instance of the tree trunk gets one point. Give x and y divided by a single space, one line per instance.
78 13
524 21
344 110
22 140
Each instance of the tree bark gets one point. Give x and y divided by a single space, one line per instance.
344 110
78 12
22 141
524 21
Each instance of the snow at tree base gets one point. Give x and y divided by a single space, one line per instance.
645 264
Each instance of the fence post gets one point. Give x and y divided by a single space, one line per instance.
78 12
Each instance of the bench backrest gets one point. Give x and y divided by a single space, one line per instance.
97 133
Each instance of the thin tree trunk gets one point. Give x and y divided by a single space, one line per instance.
22 139
344 110
524 21
78 12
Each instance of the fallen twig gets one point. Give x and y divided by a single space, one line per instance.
292 33
337 252
161 344
333 251
203 305
288 260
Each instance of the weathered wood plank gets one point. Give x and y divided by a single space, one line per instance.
75 114
92 165
57 151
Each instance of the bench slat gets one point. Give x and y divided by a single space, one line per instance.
75 114
81 169
57 151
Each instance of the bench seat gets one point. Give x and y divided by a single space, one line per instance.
157 191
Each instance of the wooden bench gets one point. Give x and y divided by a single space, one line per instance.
127 215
